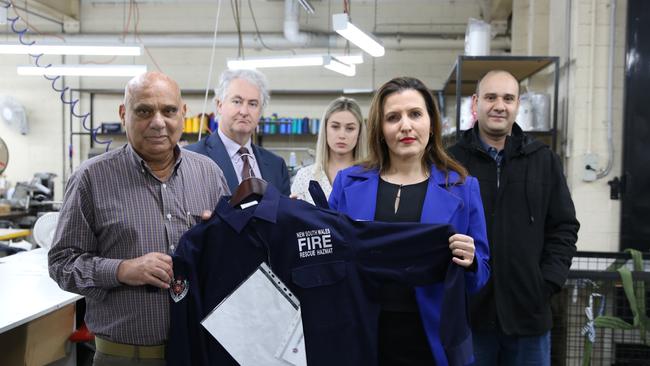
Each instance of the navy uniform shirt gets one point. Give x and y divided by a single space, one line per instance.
333 264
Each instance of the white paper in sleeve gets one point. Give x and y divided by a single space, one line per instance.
292 348
253 321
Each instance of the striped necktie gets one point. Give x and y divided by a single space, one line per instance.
246 171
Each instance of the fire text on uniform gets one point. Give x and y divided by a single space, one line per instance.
314 242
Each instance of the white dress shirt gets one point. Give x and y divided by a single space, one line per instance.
232 148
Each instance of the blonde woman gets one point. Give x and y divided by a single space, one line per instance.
341 142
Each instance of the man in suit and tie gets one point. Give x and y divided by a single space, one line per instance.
241 97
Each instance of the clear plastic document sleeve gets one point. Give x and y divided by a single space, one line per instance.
259 322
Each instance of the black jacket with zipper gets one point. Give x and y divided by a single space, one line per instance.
532 231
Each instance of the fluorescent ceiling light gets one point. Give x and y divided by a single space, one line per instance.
334 64
37 49
350 59
276 61
290 61
83 70
363 40
357 90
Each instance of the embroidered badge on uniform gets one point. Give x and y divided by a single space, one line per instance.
315 242
178 288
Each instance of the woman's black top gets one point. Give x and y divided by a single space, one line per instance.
394 296
402 340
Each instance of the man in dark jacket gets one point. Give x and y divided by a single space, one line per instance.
241 97
531 224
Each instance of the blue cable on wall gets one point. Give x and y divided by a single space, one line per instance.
72 103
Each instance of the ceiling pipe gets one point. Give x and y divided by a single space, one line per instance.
276 40
291 26
291 37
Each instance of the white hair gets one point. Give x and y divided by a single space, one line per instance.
252 76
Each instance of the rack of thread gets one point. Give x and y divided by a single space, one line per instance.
290 133
275 125
272 125
192 125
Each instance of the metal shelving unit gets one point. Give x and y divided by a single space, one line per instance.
91 120
75 93
468 69
186 92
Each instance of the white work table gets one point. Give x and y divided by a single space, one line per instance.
28 292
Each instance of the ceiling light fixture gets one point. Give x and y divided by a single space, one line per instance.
363 40
290 61
276 61
334 64
350 59
92 50
83 70
357 90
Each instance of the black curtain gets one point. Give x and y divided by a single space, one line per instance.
635 205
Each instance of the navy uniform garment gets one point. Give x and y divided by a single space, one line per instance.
333 264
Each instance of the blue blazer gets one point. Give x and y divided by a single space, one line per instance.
354 192
273 168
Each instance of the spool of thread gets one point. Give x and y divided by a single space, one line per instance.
314 125
213 123
195 124
292 126
203 121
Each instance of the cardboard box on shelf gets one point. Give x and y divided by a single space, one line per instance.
40 341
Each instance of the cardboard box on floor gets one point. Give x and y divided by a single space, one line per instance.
40 341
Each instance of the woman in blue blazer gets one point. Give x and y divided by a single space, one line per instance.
409 177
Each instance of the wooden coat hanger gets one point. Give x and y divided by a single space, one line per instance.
248 188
